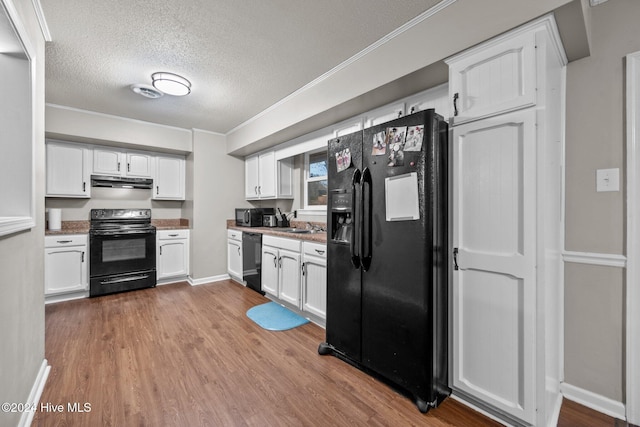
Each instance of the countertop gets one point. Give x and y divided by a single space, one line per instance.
274 231
82 227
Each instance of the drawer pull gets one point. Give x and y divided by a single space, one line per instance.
173 235
64 241
320 252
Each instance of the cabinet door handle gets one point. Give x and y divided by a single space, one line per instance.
128 167
239 253
275 261
303 268
455 103
280 262
64 241
118 166
82 257
157 189
160 250
455 259
84 187
259 189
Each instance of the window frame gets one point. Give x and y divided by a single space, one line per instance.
307 179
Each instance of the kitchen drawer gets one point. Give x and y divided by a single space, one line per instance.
65 240
314 249
173 234
282 243
234 234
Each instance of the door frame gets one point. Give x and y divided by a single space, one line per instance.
633 239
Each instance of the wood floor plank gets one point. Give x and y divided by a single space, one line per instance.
178 355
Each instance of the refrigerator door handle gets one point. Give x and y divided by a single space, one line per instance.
354 239
366 192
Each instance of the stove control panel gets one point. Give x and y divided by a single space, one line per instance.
120 214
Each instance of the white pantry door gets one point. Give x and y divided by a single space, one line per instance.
494 231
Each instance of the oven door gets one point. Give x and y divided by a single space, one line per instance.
115 252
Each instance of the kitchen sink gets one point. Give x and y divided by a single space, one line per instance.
298 230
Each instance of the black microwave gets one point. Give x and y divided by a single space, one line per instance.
252 217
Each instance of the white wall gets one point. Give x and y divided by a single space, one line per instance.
71 124
215 187
22 262
595 222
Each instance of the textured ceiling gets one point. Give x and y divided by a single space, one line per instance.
241 56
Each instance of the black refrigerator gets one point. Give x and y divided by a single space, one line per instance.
387 249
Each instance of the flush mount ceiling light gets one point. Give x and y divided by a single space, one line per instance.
146 91
171 84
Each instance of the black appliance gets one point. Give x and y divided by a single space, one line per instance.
387 254
251 217
120 182
252 260
122 248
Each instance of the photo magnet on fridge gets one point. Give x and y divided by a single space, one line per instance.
379 144
343 160
414 138
395 142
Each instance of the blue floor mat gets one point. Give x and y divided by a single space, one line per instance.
275 317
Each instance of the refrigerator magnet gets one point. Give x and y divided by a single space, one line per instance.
414 138
379 144
343 159
396 155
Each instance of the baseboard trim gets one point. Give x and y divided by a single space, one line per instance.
594 401
219 278
34 396
606 260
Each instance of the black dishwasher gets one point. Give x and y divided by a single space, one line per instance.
252 260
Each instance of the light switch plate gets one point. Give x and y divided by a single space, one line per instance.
608 180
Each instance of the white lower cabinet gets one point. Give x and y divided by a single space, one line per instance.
65 264
234 254
281 268
314 279
172 254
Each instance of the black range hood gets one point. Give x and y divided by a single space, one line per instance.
120 182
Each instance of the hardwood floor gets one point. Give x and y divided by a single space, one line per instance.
179 355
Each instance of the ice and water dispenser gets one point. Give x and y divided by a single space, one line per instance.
341 216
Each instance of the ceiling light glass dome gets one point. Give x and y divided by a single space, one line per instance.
171 84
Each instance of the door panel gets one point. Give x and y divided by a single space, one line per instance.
494 196
398 288
290 277
270 270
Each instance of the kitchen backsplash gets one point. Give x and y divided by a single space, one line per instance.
115 198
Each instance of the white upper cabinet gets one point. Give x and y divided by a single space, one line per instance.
169 177
116 162
382 115
107 161
68 170
268 178
267 174
139 165
496 78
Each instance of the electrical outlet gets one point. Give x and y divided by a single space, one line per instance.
608 180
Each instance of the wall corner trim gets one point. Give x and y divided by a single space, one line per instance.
605 260
34 396
594 401
211 279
